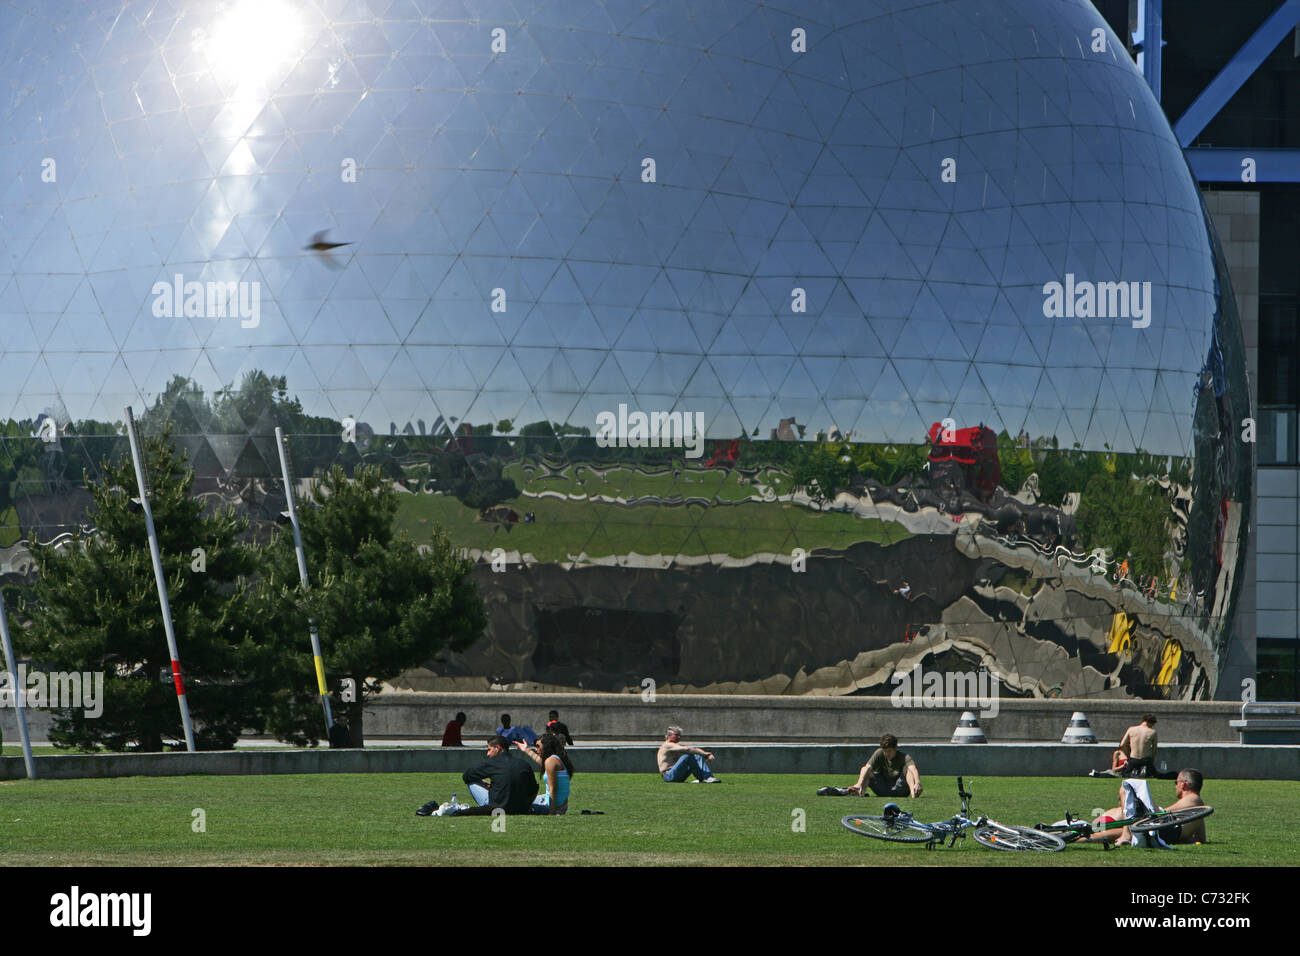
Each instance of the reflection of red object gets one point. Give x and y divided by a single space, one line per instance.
974 450
725 455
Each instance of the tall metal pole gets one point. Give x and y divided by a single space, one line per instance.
281 444
19 691
1152 41
162 581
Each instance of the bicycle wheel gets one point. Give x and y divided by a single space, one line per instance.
1173 818
896 831
1018 839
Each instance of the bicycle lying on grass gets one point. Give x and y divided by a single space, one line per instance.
1074 829
899 826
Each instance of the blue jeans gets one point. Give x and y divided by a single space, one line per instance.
685 766
479 793
541 806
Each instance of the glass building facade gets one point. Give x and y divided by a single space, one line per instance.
748 349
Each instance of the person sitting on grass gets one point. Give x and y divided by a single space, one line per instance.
1187 788
512 786
888 772
1113 815
677 761
557 771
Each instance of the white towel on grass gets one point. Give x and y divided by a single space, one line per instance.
1137 800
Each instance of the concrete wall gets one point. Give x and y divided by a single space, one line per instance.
856 720
837 763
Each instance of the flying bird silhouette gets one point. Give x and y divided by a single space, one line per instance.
324 249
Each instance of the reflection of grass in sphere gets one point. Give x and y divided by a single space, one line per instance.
10 530
566 528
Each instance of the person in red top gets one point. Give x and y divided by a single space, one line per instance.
451 735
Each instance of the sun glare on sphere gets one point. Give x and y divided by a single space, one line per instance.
252 42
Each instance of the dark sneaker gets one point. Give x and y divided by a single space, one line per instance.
428 809
831 792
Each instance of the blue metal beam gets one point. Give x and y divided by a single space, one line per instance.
1245 62
1152 31
1226 164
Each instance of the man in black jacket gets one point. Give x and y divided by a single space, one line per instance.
512 786
340 736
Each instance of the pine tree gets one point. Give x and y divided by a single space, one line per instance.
94 607
382 605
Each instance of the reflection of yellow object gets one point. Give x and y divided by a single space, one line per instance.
1120 638
1170 658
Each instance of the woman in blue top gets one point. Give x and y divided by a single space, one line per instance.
557 770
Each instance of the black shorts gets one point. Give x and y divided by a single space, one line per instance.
1138 767
1171 834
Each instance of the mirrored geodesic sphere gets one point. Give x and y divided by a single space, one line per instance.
769 350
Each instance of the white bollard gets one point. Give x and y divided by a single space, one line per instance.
1079 732
968 730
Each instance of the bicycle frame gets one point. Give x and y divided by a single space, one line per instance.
954 827
900 826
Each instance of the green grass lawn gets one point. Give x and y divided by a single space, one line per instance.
747 820
11 531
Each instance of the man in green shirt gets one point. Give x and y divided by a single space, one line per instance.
888 772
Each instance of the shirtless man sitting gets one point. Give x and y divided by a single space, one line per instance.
1137 751
1188 791
1137 748
677 761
